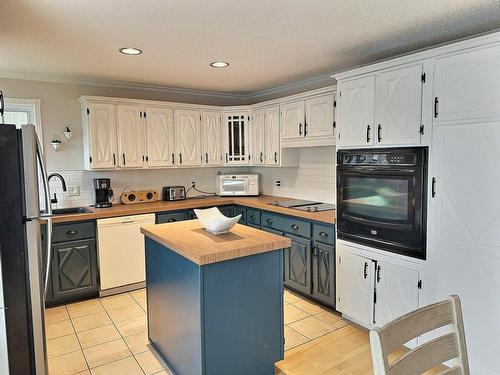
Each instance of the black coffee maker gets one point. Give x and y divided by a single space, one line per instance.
103 192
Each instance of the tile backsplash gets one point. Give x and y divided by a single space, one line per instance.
313 179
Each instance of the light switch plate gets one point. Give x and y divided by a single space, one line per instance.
73 190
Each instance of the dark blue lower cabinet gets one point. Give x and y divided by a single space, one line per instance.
227 210
298 264
239 210
323 273
215 319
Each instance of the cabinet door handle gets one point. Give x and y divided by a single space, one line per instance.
173 158
368 134
226 158
206 157
270 221
295 227
114 159
253 217
261 157
323 234
365 271
275 156
72 232
379 132
171 220
123 155
300 128
180 158
305 128
315 251
436 104
147 159
378 274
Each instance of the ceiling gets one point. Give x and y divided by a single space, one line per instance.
269 43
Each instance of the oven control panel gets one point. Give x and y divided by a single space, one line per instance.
378 158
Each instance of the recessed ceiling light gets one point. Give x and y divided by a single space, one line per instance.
130 51
219 64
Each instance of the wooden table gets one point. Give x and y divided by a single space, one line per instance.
215 302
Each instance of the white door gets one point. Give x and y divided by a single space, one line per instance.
102 127
236 133
465 241
354 286
187 137
319 117
467 86
258 141
398 106
130 136
272 135
397 292
160 137
355 106
292 120
211 134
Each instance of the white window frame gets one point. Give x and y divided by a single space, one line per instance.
32 106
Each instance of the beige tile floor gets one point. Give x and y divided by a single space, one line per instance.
109 335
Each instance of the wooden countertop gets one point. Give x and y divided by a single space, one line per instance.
260 202
192 241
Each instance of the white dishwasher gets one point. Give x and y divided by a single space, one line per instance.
121 253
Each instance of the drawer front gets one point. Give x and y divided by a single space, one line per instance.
238 210
73 231
286 224
324 233
253 216
227 210
170 217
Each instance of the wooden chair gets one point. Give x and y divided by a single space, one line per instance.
424 357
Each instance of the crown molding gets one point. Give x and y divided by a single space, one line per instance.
244 97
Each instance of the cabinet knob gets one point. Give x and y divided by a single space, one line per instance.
295 226
270 221
323 234
171 220
253 217
72 232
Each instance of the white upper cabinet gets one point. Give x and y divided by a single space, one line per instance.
258 141
159 136
211 138
188 137
320 116
236 134
354 286
100 129
272 135
397 292
467 86
356 104
398 106
130 136
292 120
309 122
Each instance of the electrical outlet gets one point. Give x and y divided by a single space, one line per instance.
73 191
277 183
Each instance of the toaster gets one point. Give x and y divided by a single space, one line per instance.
173 193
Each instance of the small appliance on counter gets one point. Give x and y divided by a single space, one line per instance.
103 192
173 193
139 196
238 185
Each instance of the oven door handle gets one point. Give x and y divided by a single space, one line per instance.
374 223
376 171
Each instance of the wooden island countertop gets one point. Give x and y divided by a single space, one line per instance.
190 240
261 202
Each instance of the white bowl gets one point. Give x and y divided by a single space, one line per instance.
214 221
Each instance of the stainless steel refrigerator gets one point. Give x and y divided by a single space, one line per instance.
22 271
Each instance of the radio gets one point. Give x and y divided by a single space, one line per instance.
140 196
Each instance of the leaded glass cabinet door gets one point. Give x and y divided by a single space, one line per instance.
236 129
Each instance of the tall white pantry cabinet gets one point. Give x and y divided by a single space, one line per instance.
460 114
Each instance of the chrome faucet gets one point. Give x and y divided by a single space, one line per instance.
54 200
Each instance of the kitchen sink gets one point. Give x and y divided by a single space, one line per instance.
69 211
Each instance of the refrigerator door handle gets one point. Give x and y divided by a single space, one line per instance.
48 207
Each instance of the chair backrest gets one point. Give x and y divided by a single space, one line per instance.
395 334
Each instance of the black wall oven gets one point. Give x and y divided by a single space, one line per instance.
382 198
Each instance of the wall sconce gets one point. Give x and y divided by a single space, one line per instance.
68 133
55 143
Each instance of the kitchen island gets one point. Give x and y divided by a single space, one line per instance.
215 302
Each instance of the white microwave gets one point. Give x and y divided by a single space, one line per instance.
238 184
